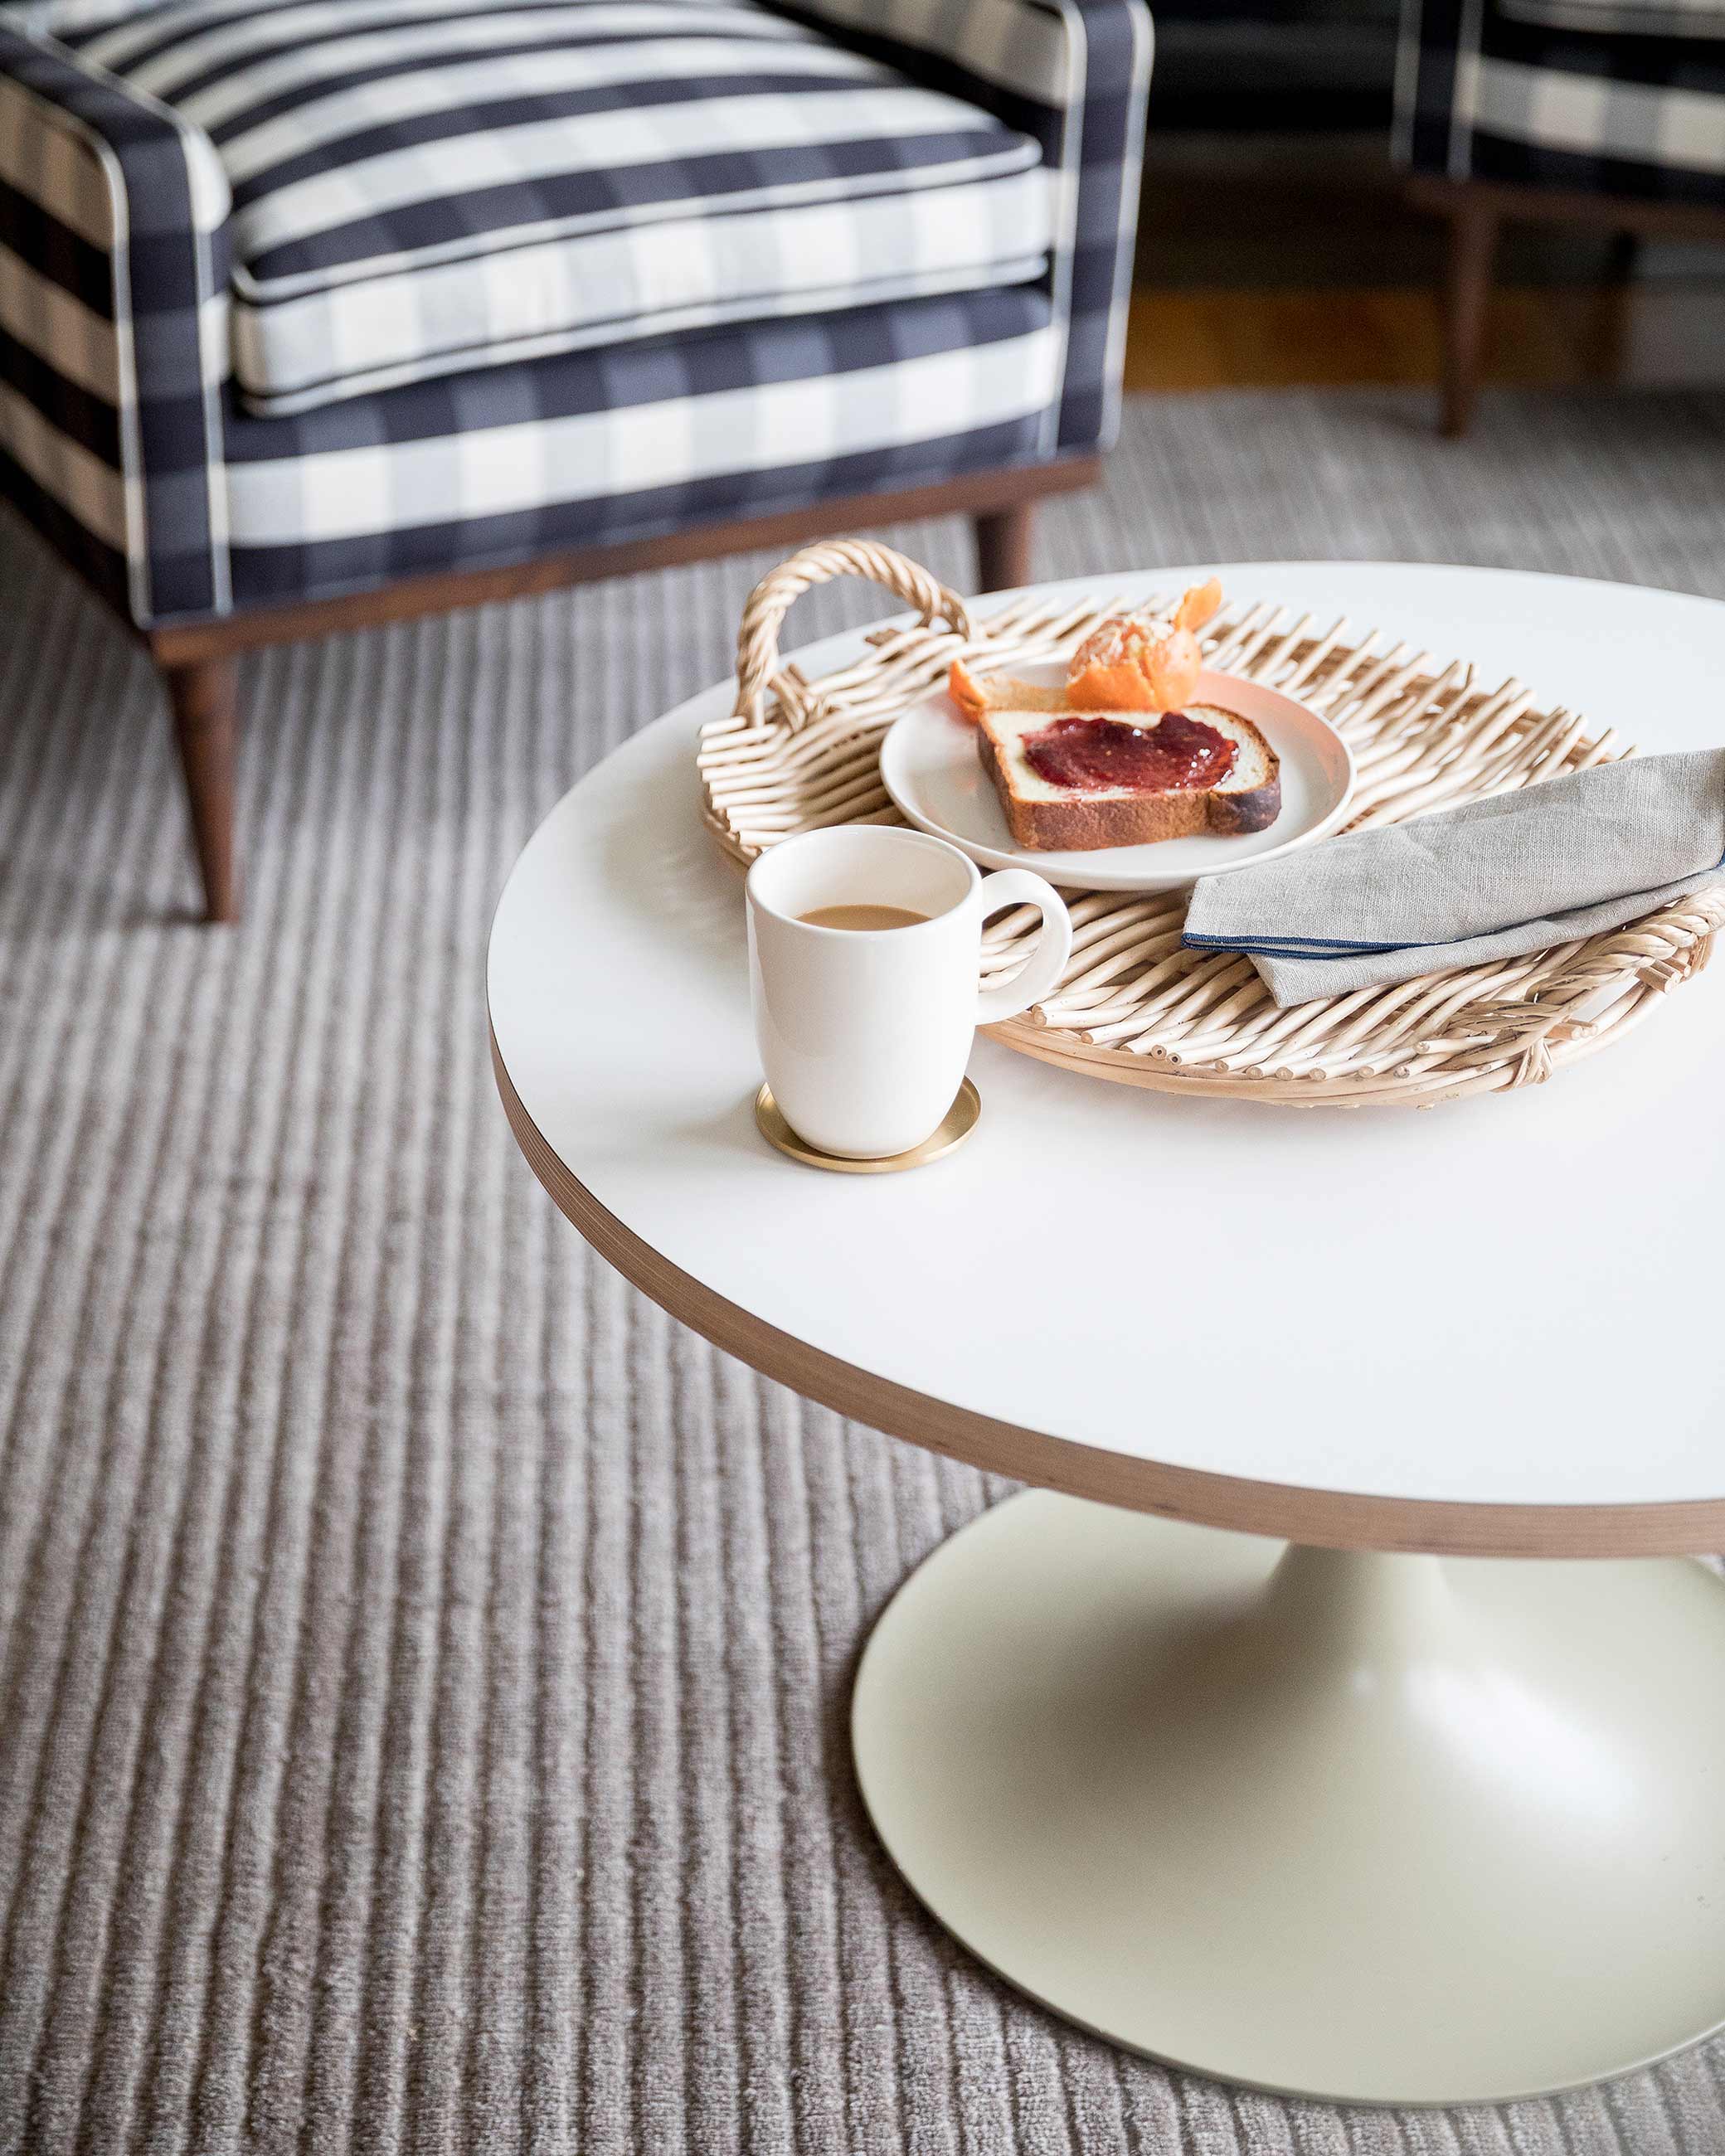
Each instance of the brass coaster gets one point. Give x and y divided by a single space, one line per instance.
956 1126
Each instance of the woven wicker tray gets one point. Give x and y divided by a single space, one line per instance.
1134 1005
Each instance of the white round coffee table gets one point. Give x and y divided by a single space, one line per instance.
1429 1806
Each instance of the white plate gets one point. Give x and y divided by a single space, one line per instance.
929 766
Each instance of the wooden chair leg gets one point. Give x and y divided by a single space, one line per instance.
1002 547
203 699
1473 245
1612 327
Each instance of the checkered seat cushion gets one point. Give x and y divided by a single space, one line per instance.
424 187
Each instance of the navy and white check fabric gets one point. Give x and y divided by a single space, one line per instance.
1562 93
504 463
1628 18
728 260
113 331
1075 74
416 184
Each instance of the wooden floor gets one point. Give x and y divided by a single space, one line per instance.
1269 260
1211 337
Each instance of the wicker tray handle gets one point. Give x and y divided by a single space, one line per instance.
758 671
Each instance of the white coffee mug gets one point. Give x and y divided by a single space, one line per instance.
864 1033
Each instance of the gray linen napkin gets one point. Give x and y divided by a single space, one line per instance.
1491 880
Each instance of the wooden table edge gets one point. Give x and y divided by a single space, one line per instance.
1329 1519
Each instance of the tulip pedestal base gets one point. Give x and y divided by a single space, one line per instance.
1380 1829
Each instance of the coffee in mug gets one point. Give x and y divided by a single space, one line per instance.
863 916
864 946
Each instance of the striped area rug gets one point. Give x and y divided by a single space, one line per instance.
422 1664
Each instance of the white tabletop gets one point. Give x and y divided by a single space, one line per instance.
1505 1302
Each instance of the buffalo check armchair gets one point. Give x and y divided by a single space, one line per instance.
317 312
1609 112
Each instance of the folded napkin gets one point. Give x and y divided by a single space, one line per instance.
1489 879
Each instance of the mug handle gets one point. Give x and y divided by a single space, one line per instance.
1048 958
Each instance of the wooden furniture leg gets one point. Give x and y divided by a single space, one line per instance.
196 658
1002 547
1473 244
1614 317
203 696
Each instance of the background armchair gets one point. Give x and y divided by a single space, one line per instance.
1597 111
311 316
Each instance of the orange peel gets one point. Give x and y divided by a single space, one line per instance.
1131 665
1127 665
965 692
1000 693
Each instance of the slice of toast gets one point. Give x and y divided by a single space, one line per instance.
1049 817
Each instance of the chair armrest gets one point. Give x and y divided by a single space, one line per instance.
113 330
1075 74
